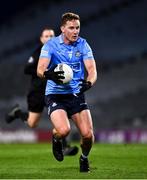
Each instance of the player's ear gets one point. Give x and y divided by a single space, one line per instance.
62 29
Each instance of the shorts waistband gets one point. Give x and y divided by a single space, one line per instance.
62 95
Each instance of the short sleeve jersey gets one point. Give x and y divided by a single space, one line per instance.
73 55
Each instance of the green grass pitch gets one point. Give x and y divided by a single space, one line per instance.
107 161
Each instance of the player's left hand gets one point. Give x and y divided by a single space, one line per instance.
84 86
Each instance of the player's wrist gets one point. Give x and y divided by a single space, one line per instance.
89 83
47 74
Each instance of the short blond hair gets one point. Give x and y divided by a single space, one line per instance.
69 16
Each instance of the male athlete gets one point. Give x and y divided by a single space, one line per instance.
68 100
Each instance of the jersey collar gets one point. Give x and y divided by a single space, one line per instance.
62 42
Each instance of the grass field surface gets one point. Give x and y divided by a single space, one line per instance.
107 161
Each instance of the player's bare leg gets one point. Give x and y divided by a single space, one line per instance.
33 119
84 123
61 129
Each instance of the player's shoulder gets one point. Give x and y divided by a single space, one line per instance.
49 44
52 40
81 40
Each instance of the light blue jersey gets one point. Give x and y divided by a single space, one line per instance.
73 55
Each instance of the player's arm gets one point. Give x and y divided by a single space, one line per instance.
42 66
90 67
87 83
44 60
43 72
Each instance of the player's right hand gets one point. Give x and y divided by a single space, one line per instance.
54 76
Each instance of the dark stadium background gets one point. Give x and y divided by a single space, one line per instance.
117 33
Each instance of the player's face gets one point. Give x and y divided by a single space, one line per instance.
46 35
71 31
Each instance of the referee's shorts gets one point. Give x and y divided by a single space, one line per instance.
36 101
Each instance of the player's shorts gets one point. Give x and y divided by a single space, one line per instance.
36 101
72 104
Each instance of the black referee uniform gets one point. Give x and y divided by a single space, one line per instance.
36 94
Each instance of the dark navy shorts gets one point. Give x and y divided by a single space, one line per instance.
72 104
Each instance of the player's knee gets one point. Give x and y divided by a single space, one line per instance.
64 131
32 124
88 135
